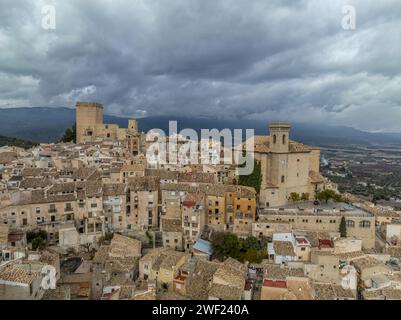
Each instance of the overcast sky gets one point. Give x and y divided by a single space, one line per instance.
255 59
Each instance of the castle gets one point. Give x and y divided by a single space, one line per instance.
90 127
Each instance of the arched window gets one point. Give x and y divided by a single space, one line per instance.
350 224
364 224
274 139
282 179
284 139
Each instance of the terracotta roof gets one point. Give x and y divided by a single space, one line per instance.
225 292
262 145
278 272
394 251
274 283
315 177
11 272
143 183
114 189
232 272
327 291
162 174
199 177
7 157
60 293
122 246
121 264
32 183
366 262
201 279
171 259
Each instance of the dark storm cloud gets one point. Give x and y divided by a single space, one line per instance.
229 58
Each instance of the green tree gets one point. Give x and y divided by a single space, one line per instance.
251 255
7 141
70 134
251 242
294 197
305 196
254 179
343 228
326 195
38 239
225 244
231 245
38 243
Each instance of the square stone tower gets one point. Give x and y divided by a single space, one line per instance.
88 116
279 137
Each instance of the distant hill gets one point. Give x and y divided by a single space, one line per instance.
48 125
7 141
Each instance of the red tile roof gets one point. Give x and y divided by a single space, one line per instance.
189 203
180 278
325 243
274 283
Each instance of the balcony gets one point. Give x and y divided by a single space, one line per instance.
53 210
68 209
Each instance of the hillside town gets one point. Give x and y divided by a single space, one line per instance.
96 220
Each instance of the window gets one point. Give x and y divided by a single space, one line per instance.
364 224
303 249
274 139
350 223
93 205
284 139
282 179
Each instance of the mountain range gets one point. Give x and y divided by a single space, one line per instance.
41 124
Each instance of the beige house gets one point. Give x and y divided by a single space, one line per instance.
114 206
367 267
171 233
324 267
142 203
293 288
193 218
